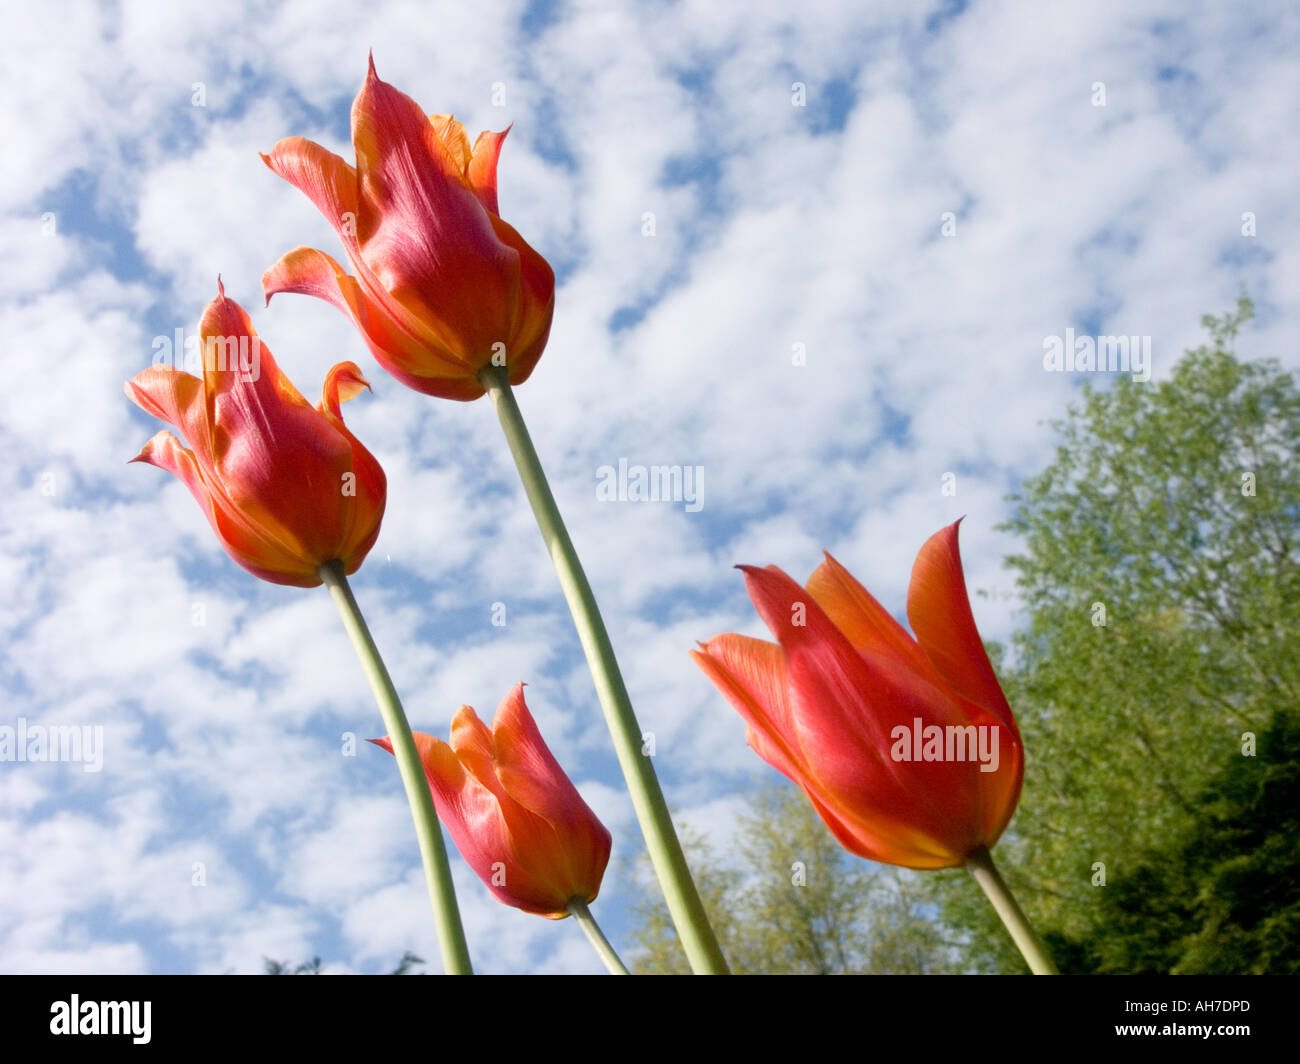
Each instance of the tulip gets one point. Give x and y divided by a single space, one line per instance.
285 485
906 747
443 286
513 813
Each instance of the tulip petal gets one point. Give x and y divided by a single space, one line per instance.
343 382
538 874
432 247
939 611
531 325
369 490
165 451
327 180
471 742
751 674
332 185
525 765
482 170
847 705
476 819
246 543
404 348
454 140
177 398
578 848
868 838
824 667
863 621
1000 790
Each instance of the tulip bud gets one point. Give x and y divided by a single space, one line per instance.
514 815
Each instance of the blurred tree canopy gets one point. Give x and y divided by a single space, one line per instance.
1155 681
312 967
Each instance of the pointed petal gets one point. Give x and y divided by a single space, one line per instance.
826 673
165 451
364 505
568 846
433 247
525 765
939 611
482 170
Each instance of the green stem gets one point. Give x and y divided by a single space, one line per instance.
684 904
980 863
437 872
587 922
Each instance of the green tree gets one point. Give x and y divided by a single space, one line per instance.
1161 577
1243 913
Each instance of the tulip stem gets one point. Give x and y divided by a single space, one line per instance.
684 904
587 922
980 863
433 852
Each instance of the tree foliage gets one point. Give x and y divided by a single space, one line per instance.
1161 575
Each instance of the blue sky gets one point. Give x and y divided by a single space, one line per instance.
777 228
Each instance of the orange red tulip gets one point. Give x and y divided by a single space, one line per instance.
514 815
442 287
285 485
906 746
